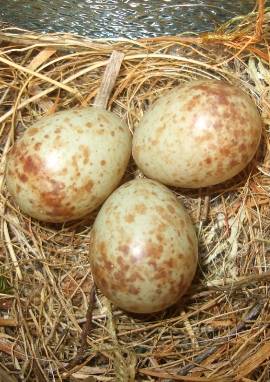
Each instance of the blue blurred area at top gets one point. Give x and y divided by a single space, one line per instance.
121 18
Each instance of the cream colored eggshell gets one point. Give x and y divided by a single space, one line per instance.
199 134
66 164
143 251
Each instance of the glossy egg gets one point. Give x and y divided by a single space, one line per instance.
199 134
143 252
66 164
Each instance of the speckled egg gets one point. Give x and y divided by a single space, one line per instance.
143 252
199 134
66 164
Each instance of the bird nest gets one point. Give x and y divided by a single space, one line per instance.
53 325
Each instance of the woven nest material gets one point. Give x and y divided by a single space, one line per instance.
220 330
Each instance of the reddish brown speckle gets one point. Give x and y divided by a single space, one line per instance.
23 178
154 250
89 125
103 162
242 147
206 137
88 186
212 146
30 165
54 200
233 163
85 153
74 162
108 265
161 273
133 290
120 277
159 237
161 227
170 262
129 218
160 130
57 142
193 102
121 262
124 249
153 263
37 146
102 248
225 151
220 91
180 255
208 160
140 208
135 276
164 214
242 120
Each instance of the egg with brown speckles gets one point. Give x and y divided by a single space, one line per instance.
144 249
199 134
65 165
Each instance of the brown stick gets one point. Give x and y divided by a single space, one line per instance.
9 349
8 322
206 208
108 80
86 330
89 314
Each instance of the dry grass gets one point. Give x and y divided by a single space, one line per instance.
220 330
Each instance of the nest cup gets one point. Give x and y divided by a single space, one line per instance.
219 330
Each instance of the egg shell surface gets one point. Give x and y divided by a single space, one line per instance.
144 249
66 164
199 134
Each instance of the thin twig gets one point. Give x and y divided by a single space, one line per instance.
81 354
108 80
89 314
